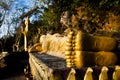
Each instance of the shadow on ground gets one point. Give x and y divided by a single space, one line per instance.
16 62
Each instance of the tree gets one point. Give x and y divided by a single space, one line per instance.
4 7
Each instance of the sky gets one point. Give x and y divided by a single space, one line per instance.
20 4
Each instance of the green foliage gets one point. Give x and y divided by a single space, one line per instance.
95 9
50 19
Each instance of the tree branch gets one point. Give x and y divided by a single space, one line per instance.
29 12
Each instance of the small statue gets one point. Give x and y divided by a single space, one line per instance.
88 74
103 75
116 73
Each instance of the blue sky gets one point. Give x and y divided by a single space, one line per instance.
20 4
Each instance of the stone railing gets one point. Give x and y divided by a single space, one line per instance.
46 67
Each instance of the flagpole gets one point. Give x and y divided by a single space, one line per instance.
25 33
